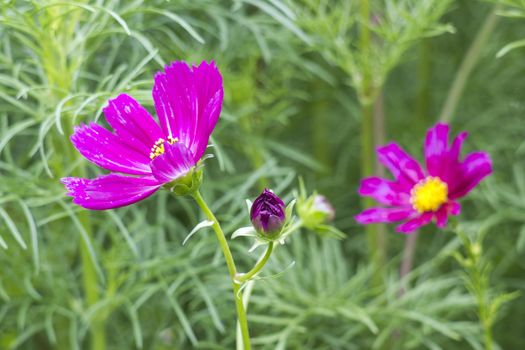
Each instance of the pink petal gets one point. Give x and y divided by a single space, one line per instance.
455 149
175 162
405 169
442 161
436 149
471 171
374 215
188 102
442 216
413 224
454 208
107 150
109 191
132 122
385 191
451 208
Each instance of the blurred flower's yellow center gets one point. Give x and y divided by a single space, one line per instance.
429 194
158 147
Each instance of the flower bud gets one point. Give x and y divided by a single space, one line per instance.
268 213
315 210
321 204
476 249
316 213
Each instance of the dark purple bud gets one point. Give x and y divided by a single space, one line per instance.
268 213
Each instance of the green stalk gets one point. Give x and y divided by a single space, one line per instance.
223 243
487 335
479 286
469 61
366 93
260 264
319 129
90 284
375 252
59 71
379 139
422 103
90 281
424 71
89 274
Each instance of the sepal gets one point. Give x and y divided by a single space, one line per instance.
187 184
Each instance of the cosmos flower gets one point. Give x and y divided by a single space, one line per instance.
268 213
141 154
418 196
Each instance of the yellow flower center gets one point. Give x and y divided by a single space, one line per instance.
429 194
158 147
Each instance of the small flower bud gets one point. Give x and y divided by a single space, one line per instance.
315 210
268 213
476 249
322 205
316 213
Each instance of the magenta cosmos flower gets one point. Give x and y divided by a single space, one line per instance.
141 154
419 196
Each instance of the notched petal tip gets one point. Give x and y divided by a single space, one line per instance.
188 101
73 185
475 167
384 148
122 98
440 129
109 191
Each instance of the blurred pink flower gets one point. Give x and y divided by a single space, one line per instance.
417 196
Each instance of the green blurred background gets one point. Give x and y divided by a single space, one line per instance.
310 87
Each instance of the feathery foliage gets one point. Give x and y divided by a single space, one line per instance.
294 82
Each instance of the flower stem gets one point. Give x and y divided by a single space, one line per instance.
90 281
223 243
366 95
379 131
407 262
469 61
260 264
487 336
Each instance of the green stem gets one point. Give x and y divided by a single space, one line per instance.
422 108
379 138
260 264
320 128
478 281
424 71
90 282
89 275
469 61
367 169
223 243
487 336
366 98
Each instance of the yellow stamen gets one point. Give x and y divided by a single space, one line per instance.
158 147
429 194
